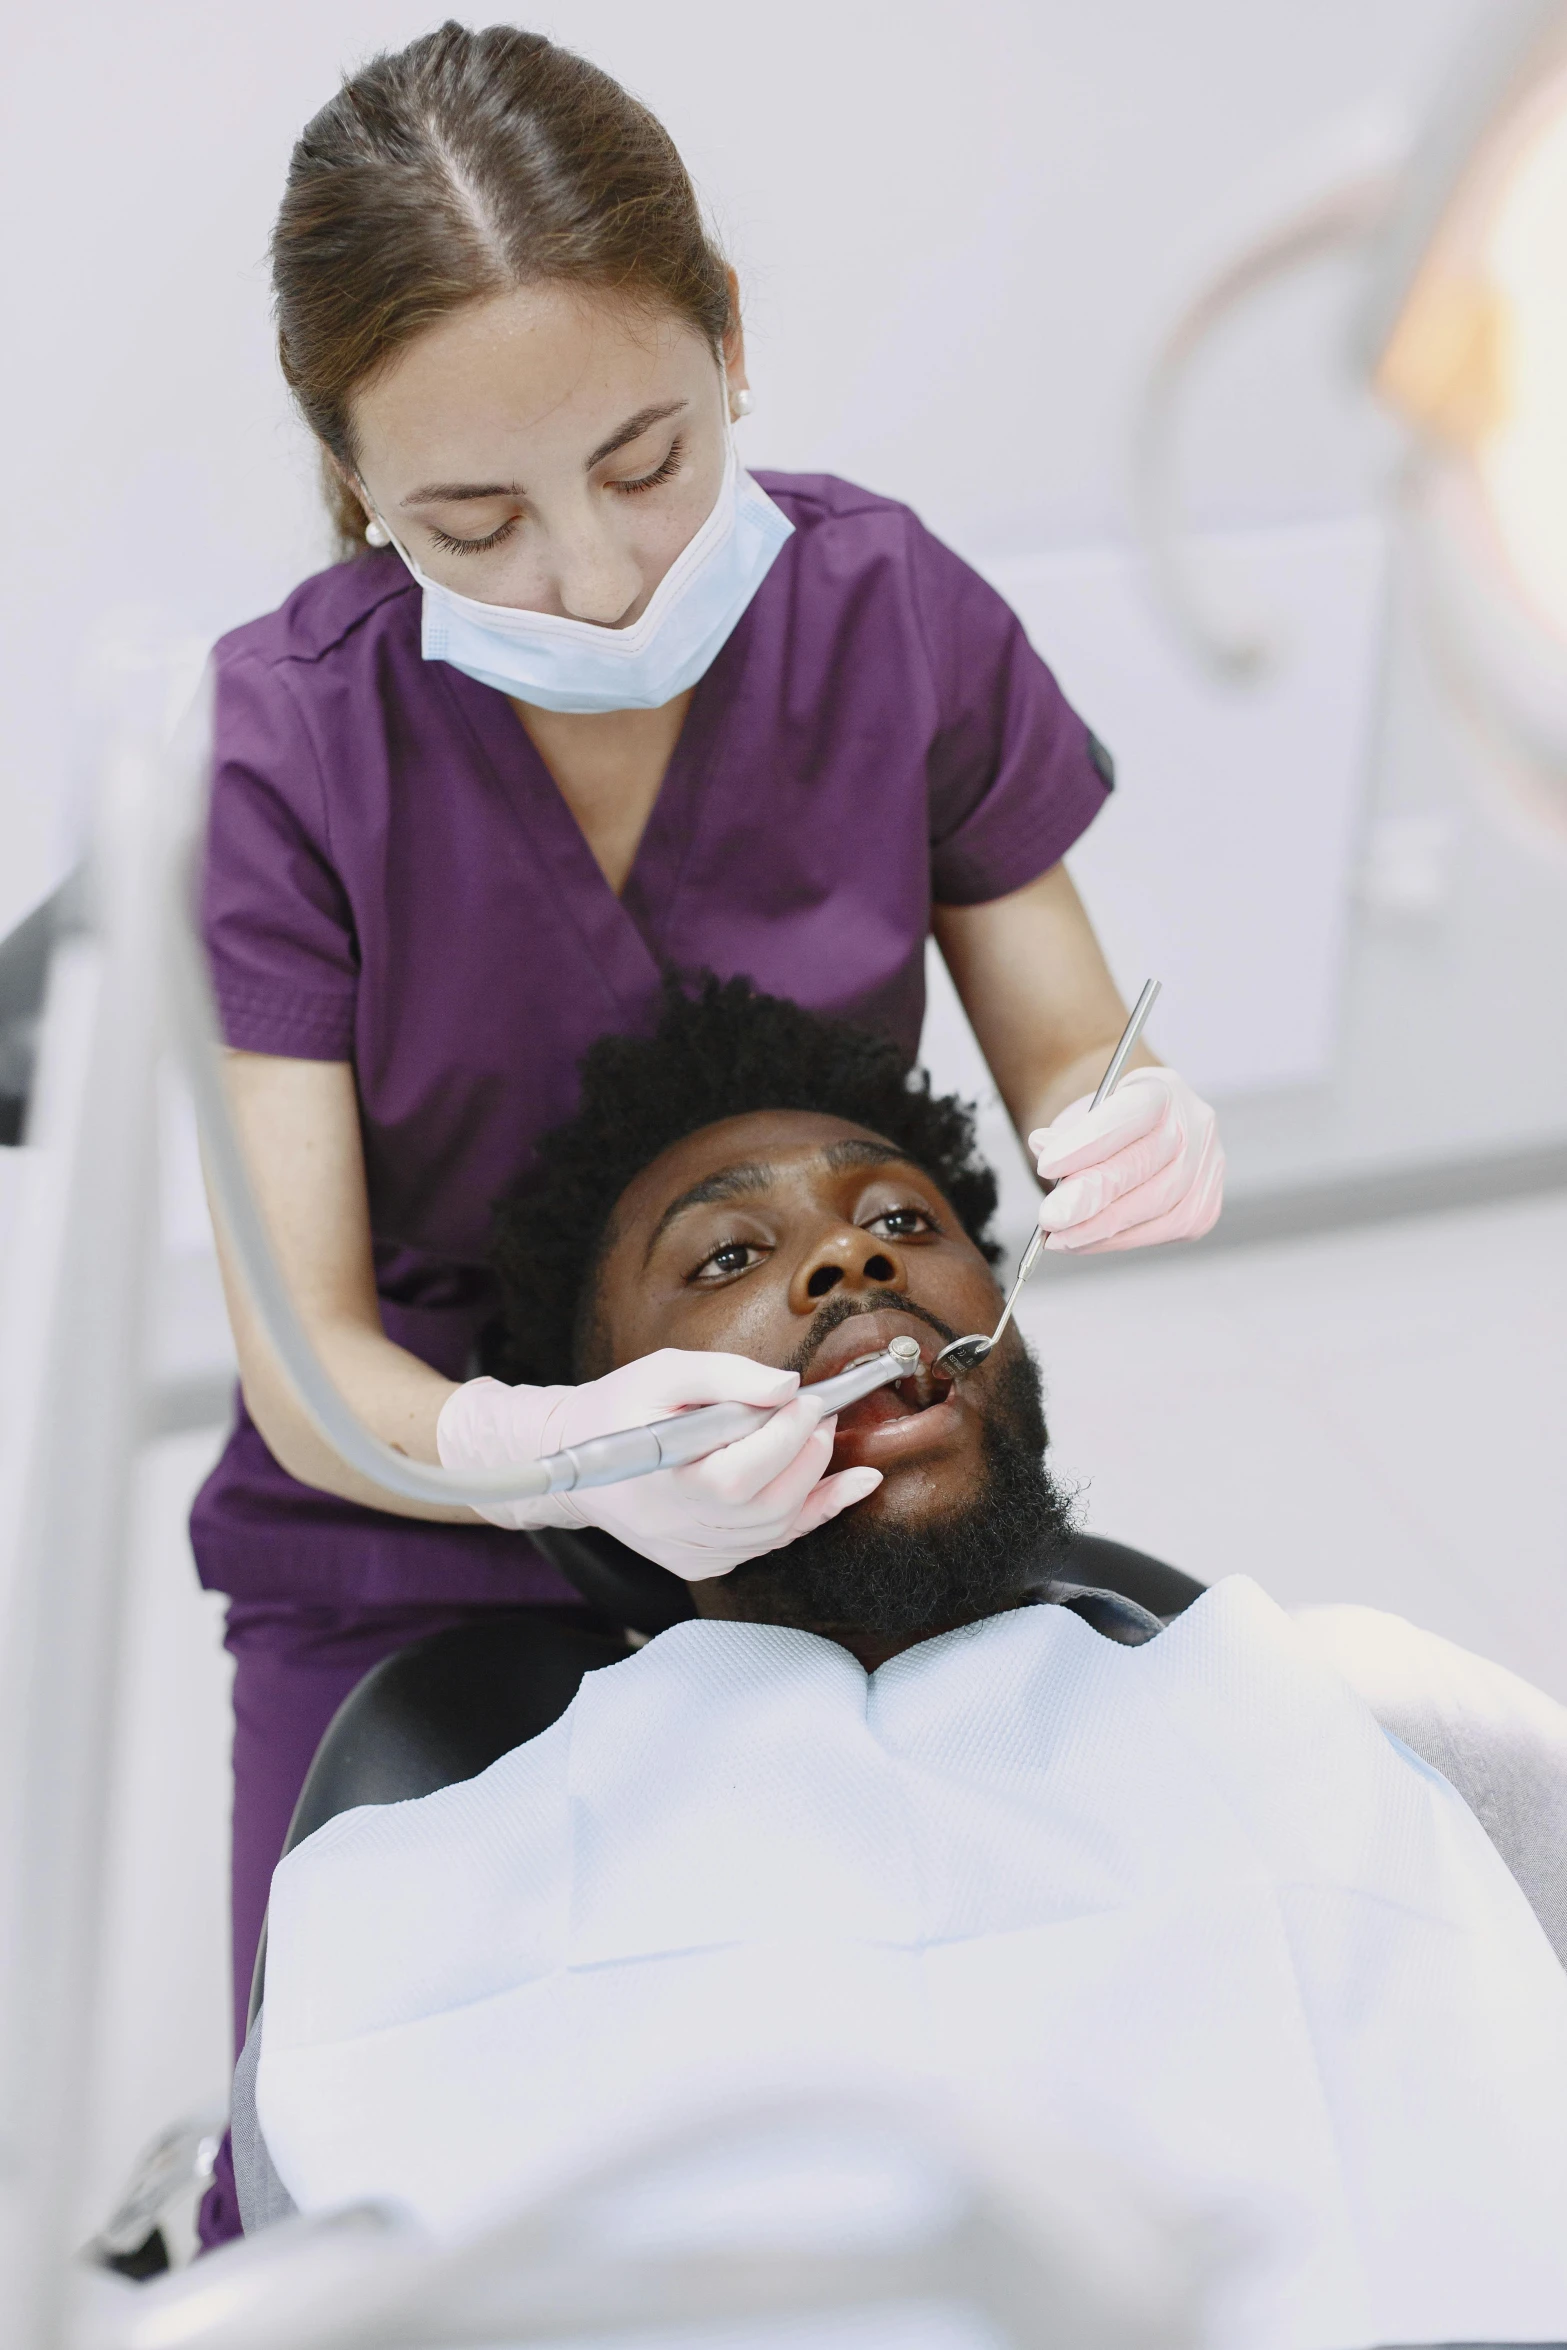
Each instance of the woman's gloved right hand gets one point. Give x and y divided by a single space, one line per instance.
700 1520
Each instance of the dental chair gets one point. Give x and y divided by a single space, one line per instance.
447 1707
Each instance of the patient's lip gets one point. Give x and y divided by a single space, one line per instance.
906 1420
867 1334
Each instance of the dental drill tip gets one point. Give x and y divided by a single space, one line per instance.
907 1350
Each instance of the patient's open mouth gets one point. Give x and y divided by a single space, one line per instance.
899 1401
866 1334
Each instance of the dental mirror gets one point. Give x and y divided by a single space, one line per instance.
966 1354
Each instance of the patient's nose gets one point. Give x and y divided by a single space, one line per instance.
848 1260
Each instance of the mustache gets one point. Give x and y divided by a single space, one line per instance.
839 1310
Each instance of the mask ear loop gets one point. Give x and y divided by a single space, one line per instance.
378 535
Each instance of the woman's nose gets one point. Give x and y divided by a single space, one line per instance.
594 578
851 1261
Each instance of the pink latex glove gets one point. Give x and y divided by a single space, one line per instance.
1146 1165
699 1520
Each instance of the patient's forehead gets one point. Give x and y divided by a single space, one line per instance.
793 1141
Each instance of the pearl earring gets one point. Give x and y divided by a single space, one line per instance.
740 403
376 533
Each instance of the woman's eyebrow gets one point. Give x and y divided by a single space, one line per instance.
633 428
453 493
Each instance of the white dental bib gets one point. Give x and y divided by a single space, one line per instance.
1185 1905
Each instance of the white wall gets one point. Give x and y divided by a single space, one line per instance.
959 233
958 229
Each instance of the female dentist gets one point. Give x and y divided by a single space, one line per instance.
585 703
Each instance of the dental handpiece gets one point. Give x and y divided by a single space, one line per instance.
690 1436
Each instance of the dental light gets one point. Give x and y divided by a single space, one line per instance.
1461 332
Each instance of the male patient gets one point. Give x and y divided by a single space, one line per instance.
882 1814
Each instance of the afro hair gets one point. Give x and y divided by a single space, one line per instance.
720 1050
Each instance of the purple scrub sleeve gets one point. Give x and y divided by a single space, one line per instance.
394 880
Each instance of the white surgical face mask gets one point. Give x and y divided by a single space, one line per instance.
563 664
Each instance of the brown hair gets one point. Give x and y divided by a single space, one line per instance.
466 164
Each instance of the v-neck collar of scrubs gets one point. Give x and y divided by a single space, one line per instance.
626 935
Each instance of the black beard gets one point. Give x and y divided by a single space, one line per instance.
857 1574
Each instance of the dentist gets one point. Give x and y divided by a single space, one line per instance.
584 702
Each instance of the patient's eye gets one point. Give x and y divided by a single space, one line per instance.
902 1223
733 1256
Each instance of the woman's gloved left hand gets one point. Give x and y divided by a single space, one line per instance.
699 1520
1147 1165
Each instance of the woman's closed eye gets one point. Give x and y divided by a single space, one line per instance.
660 473
450 546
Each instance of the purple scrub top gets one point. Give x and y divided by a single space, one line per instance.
394 880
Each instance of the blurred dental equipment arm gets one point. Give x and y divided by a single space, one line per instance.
1147 1166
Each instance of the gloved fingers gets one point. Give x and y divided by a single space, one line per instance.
1082 1137
795 1443
824 1501
1194 1214
1182 1203
830 1496
1173 1225
675 1377
772 1513
1140 1205
1084 1195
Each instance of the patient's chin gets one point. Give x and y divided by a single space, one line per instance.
914 1557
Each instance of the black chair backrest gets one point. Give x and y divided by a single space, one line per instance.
441 1710
447 1707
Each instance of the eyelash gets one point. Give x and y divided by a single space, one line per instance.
927 1221
627 489
451 546
713 1254
659 474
